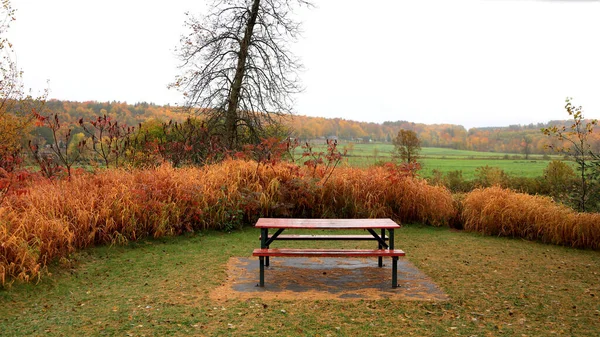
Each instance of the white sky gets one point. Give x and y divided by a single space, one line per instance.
468 62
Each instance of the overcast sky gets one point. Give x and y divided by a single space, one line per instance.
468 62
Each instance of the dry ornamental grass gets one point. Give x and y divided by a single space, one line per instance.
498 211
53 219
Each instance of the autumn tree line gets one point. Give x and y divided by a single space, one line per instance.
518 139
521 139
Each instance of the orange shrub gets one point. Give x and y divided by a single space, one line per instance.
56 218
379 192
498 211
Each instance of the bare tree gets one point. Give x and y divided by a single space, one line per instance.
576 144
237 69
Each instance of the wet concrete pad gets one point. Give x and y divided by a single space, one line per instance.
326 278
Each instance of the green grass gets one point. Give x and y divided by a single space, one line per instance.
385 149
519 168
161 287
445 160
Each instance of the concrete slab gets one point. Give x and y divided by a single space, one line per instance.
326 278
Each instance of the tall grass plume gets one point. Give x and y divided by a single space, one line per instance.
502 212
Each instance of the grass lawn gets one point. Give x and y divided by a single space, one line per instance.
161 287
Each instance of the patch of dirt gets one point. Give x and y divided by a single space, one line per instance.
326 278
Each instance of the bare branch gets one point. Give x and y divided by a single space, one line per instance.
236 67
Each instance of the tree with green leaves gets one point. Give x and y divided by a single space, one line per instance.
561 178
237 69
526 143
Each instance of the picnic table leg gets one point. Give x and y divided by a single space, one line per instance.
380 258
264 232
264 236
394 272
262 271
394 261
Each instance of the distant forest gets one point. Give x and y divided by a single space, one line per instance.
510 139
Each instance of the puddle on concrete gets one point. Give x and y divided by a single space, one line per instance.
326 278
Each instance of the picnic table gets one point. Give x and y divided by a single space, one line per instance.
372 226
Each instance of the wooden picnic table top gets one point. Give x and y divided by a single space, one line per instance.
326 223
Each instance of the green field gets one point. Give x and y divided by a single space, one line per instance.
445 160
386 149
521 168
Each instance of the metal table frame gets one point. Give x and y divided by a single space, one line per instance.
371 225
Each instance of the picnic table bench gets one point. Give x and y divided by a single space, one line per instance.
385 243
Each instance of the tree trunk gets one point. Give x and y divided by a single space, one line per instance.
231 117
